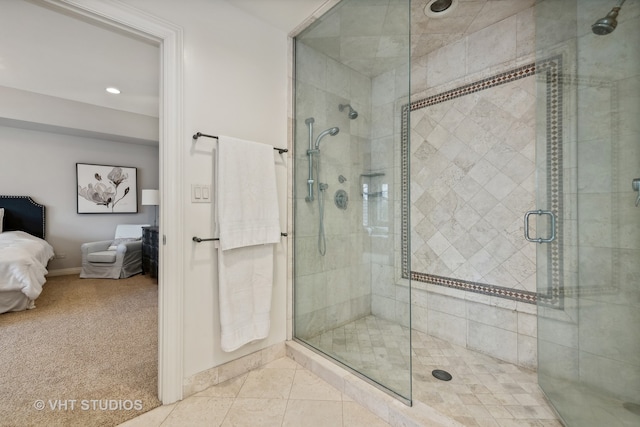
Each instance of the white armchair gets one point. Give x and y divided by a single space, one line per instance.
114 259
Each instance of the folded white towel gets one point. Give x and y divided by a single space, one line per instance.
245 288
247 208
248 224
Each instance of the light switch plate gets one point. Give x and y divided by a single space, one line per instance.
200 193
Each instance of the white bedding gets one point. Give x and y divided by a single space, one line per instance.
23 262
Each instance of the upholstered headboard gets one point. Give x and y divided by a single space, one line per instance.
22 213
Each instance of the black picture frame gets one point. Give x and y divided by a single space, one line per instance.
106 189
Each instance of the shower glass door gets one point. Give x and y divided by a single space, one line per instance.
588 150
351 303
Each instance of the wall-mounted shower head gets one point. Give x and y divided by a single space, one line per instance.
607 24
352 113
331 131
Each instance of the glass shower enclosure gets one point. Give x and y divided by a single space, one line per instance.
588 148
351 301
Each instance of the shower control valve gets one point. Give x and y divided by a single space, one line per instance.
341 199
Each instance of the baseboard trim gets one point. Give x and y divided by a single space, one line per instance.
64 271
219 374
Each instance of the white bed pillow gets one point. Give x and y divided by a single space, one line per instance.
1 218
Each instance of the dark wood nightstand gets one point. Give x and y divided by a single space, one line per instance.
150 251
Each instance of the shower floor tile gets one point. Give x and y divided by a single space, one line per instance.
374 347
484 391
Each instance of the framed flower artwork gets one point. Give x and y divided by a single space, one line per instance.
106 189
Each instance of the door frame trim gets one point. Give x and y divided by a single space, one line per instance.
169 37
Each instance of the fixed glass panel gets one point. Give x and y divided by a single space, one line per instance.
351 302
588 339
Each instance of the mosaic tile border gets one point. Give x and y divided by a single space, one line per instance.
493 290
550 71
489 82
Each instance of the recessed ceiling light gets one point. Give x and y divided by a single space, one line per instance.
113 90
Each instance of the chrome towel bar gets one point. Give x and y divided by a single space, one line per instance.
199 239
199 134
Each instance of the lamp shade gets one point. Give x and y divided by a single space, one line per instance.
150 197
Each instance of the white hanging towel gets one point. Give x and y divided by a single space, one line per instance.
248 224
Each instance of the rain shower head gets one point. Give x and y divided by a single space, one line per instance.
352 113
607 24
331 131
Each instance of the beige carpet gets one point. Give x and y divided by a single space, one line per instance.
87 353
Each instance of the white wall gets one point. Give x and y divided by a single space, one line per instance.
235 83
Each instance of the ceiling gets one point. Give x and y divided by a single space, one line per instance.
372 36
285 15
50 53
55 54
431 31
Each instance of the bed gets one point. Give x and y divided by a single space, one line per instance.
24 252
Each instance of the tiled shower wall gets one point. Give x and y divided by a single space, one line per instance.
473 177
336 288
503 328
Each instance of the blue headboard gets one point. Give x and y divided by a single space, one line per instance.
22 213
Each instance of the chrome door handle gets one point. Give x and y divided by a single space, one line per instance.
540 239
635 184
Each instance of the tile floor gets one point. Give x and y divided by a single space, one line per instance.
583 406
484 392
281 393
376 347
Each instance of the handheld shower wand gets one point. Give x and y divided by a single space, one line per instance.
331 131
309 122
315 149
314 162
